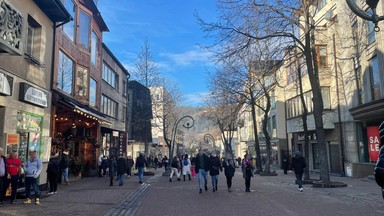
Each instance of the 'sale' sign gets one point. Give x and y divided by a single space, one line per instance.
373 142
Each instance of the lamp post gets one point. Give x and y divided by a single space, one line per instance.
209 137
188 123
364 15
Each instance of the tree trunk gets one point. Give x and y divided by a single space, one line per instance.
259 167
267 168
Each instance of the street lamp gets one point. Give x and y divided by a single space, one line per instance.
363 14
188 123
209 137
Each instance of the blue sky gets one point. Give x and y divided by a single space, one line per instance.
174 35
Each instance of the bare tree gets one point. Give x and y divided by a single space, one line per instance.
257 20
146 70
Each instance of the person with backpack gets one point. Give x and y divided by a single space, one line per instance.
187 167
52 172
229 169
175 166
215 169
379 167
140 164
298 165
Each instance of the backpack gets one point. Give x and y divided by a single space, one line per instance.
185 162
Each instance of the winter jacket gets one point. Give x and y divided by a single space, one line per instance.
298 164
130 163
121 168
215 166
64 162
247 168
140 162
175 164
53 165
229 167
206 165
33 168
112 168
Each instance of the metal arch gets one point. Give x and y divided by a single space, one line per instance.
208 137
188 126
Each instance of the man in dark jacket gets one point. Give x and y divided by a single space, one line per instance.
379 168
112 170
298 164
130 164
52 172
121 168
215 168
202 166
3 175
140 164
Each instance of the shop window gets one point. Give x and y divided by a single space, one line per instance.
82 81
92 92
69 28
375 78
371 35
65 73
84 29
94 48
321 52
315 154
109 106
109 76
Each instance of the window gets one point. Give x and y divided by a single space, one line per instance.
92 92
371 35
292 73
124 114
303 66
274 127
273 99
295 106
94 48
355 35
124 88
84 28
82 81
321 52
69 28
320 5
375 78
109 106
33 39
65 73
325 93
109 75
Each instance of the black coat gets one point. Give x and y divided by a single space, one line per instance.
112 168
121 168
229 167
298 164
64 162
5 165
140 162
206 166
130 163
53 165
215 166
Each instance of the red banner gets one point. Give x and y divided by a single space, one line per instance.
373 142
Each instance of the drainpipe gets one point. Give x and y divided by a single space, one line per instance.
338 109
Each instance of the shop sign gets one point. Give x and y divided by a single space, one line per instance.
373 142
12 139
29 121
33 95
6 84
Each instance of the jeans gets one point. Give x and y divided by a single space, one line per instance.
299 179
14 182
215 180
31 181
141 173
175 170
52 178
121 179
229 181
64 176
202 173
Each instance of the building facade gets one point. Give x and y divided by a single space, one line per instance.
114 98
26 45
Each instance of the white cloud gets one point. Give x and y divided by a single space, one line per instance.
189 57
195 99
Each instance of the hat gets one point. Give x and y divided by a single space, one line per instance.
65 152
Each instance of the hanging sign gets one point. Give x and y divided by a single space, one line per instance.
33 95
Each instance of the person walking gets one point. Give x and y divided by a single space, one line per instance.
52 171
3 175
121 168
247 169
130 164
99 163
33 168
285 164
379 167
186 167
298 164
112 170
193 168
140 164
215 170
229 170
64 165
175 167
104 165
13 165
165 162
202 167
156 162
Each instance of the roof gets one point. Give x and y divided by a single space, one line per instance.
54 9
115 59
91 5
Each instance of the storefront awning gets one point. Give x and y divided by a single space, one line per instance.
93 115
371 111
